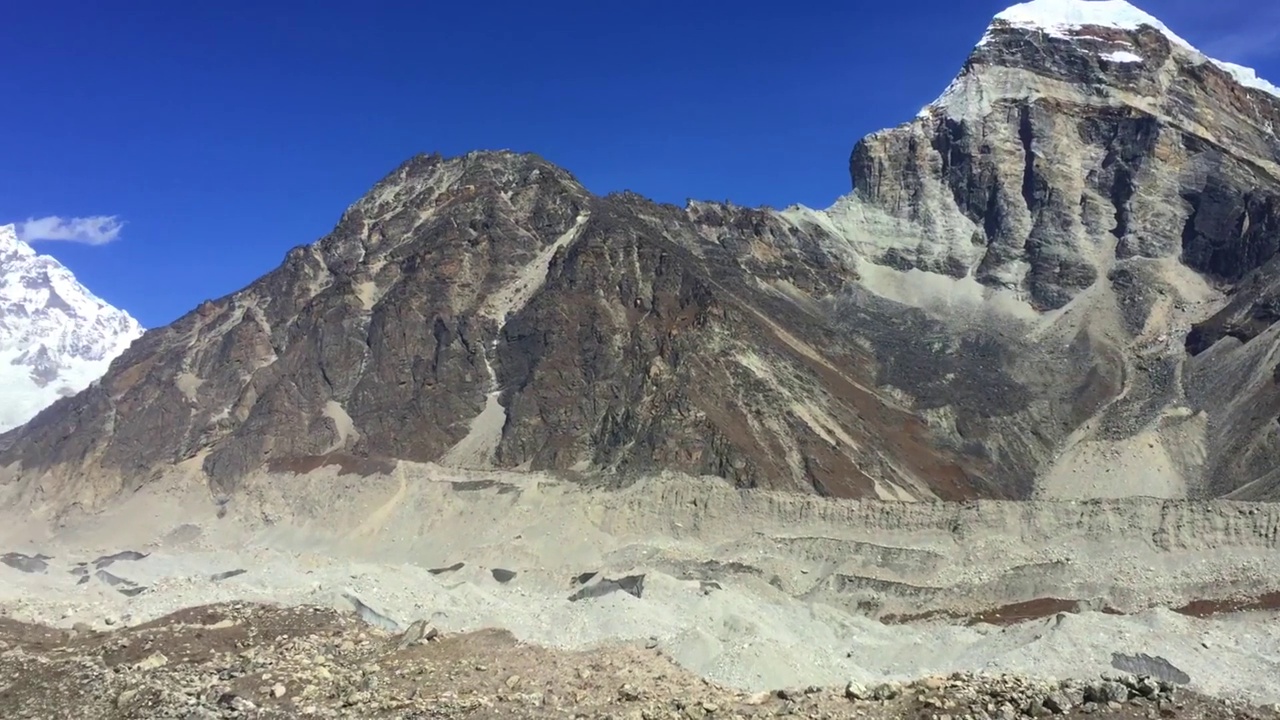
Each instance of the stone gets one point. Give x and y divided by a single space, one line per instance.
1072 693
1147 687
236 703
126 698
1057 703
152 661
1107 691
415 633
856 691
887 691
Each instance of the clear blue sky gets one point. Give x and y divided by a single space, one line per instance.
224 133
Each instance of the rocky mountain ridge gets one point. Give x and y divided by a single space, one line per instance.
56 337
998 309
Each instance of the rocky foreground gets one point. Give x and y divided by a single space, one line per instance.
258 661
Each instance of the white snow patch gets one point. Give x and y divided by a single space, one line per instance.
1061 17
1122 56
1248 77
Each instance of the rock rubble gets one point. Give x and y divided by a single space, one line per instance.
260 661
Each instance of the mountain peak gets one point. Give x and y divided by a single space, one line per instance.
10 244
1065 15
430 175
1094 46
1071 19
56 336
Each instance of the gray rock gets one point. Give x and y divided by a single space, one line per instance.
1074 694
371 616
886 691
418 631
25 563
236 703
1057 703
125 555
1107 691
452 568
631 584
1143 665
113 580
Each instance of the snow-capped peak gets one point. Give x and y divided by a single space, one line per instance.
1064 18
1061 16
10 244
56 337
1069 20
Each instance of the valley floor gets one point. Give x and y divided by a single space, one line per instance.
253 661
743 592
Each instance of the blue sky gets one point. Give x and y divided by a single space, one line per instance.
224 133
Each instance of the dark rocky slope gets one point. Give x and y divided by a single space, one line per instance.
380 341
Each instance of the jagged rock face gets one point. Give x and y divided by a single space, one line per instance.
998 309
56 337
488 310
1086 169
1053 157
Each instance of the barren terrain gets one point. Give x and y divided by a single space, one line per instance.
752 590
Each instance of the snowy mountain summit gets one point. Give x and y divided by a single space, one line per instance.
1071 18
1100 46
56 337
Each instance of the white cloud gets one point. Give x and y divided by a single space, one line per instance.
96 230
